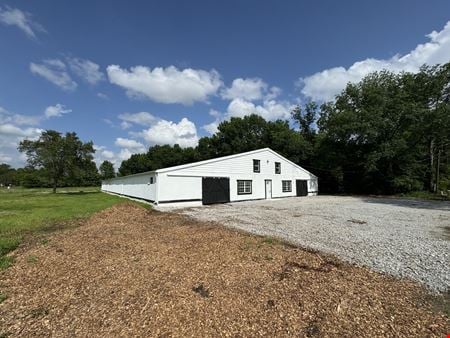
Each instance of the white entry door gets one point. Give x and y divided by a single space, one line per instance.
268 189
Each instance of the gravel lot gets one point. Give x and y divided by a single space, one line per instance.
404 238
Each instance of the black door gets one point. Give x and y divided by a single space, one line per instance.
302 187
215 190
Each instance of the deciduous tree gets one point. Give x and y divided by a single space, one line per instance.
107 170
61 156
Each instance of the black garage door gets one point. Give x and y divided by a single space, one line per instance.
215 190
302 187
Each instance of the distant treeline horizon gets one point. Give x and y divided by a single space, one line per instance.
387 134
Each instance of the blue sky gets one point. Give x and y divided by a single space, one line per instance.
128 75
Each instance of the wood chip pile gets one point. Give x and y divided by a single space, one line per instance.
128 271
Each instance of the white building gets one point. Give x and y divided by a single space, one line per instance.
258 174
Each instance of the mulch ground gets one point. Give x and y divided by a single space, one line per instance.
128 271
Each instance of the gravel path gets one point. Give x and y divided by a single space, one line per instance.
404 238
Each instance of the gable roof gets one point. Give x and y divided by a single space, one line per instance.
223 158
217 159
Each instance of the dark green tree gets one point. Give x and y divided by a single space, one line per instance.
7 174
107 170
62 157
158 157
306 119
250 133
388 133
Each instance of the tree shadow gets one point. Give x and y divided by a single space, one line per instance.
76 193
409 203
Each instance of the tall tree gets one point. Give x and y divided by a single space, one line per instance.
61 156
306 119
386 129
253 132
107 170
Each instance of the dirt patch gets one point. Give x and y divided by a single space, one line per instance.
446 232
128 271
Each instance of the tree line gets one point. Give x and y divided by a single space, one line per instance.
56 160
387 134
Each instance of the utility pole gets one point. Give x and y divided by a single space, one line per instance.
432 189
438 164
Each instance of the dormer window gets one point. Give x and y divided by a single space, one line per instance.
277 168
256 166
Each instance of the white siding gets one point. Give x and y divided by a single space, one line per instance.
177 188
135 186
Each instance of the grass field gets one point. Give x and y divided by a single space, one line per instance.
24 211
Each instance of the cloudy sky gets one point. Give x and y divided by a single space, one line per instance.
130 74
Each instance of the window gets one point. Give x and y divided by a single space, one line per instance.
152 180
287 186
277 168
244 187
256 166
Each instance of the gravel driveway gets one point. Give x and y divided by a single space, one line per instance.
405 238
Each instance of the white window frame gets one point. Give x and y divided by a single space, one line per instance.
286 186
244 187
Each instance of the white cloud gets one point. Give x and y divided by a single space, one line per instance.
215 113
125 125
183 133
273 93
247 89
86 69
211 127
269 109
54 70
124 154
107 154
10 137
166 85
56 111
250 96
32 120
160 132
130 144
22 20
18 119
324 85
250 89
102 96
141 118
116 158
12 132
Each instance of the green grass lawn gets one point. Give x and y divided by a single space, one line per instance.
25 211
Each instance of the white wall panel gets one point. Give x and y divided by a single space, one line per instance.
135 186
